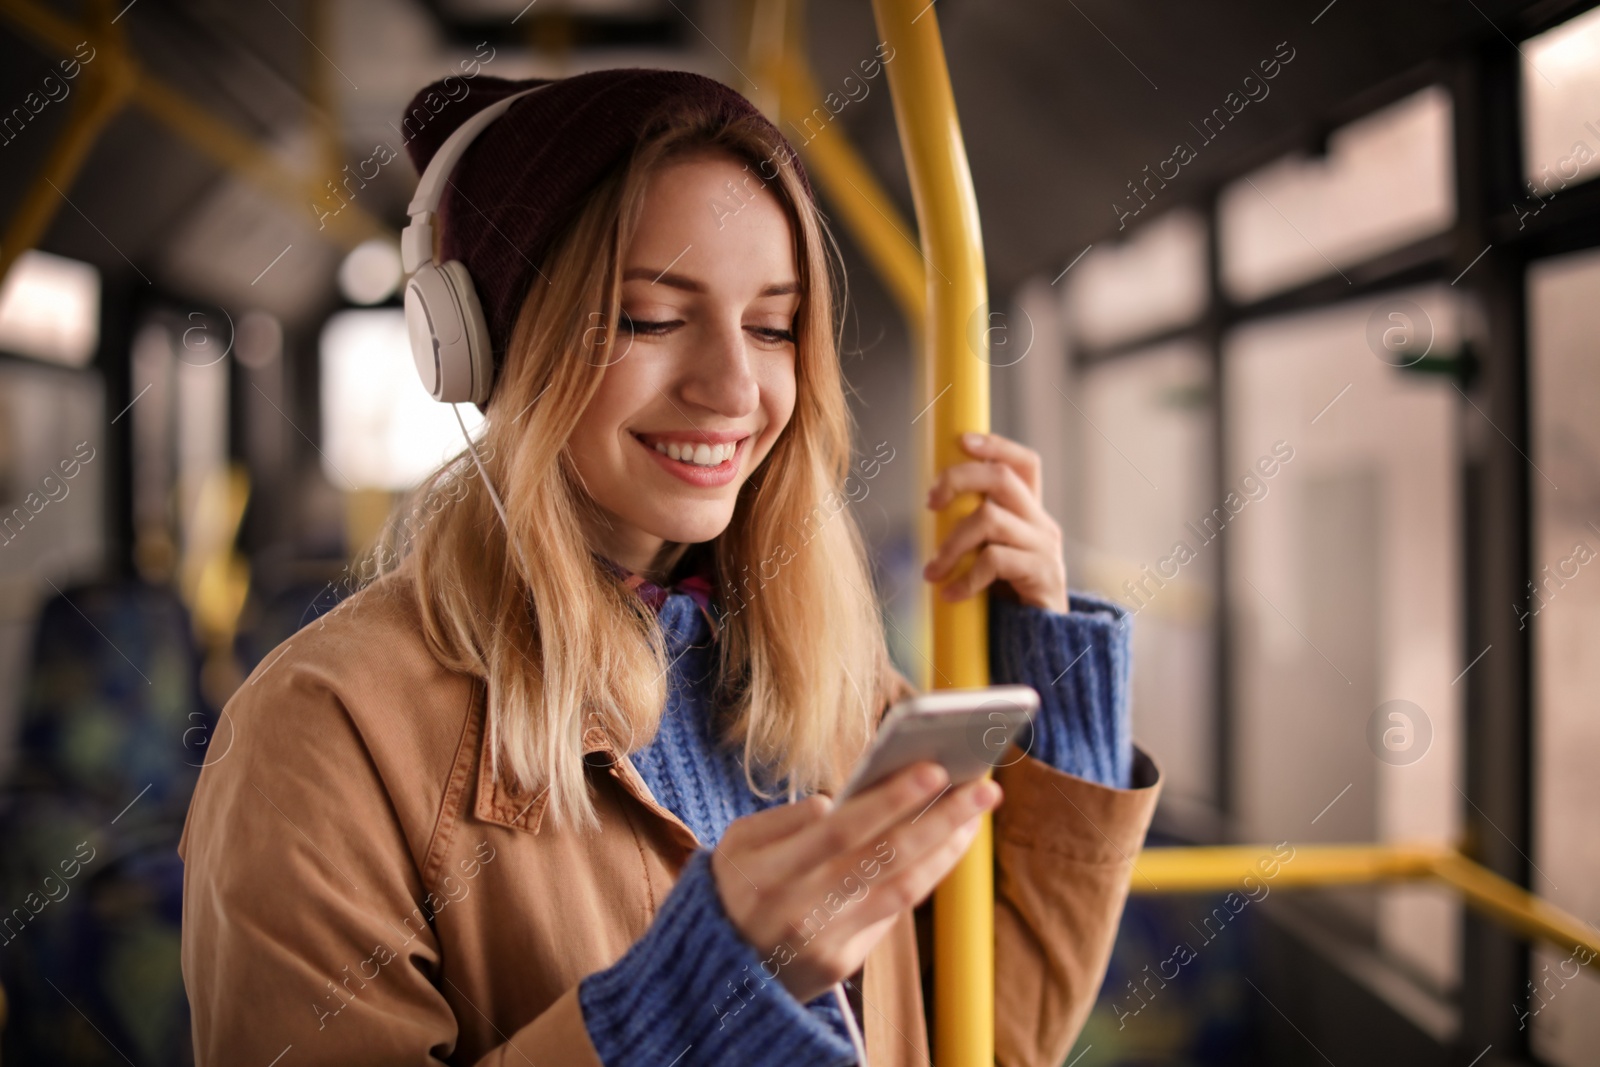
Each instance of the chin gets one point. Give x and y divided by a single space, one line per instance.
705 524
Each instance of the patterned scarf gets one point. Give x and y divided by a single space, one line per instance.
697 584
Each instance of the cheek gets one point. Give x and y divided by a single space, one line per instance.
624 391
778 391
595 446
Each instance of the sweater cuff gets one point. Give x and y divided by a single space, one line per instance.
693 991
1079 662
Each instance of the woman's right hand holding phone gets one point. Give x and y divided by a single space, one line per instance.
814 885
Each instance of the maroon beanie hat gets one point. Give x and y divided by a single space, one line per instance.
526 176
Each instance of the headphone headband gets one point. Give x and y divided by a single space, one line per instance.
444 320
416 242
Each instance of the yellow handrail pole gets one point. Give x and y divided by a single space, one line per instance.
956 384
103 94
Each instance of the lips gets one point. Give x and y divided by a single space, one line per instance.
701 477
710 437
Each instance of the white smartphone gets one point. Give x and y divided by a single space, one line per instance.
966 730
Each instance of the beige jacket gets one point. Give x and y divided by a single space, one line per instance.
357 892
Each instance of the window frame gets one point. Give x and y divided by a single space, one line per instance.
1487 251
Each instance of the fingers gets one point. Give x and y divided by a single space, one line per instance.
990 524
759 839
1019 457
997 481
866 817
996 562
828 892
837 949
922 852
1014 538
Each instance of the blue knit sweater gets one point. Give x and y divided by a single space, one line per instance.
692 990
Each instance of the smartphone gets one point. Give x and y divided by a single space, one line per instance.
966 730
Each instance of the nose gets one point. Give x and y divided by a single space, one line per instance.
719 376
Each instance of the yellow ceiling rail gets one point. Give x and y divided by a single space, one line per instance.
1514 906
1192 870
320 89
784 88
866 209
768 26
124 79
236 152
956 386
104 91
1214 869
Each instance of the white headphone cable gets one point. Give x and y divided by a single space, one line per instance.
494 497
856 1040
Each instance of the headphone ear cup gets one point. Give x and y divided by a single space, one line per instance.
478 354
449 338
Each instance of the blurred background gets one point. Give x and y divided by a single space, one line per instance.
1298 301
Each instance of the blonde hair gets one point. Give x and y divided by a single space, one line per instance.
802 667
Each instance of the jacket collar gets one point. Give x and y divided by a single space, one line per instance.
522 811
519 810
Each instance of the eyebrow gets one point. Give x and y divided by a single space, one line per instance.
690 285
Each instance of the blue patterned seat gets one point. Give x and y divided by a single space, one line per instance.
112 732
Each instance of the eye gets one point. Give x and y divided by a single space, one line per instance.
773 335
643 328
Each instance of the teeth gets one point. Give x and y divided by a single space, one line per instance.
701 455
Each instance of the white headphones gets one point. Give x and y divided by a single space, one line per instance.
449 337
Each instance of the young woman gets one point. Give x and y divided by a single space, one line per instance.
554 789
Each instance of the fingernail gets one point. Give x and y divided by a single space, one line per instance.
972 440
930 776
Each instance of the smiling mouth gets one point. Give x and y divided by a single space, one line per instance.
699 455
